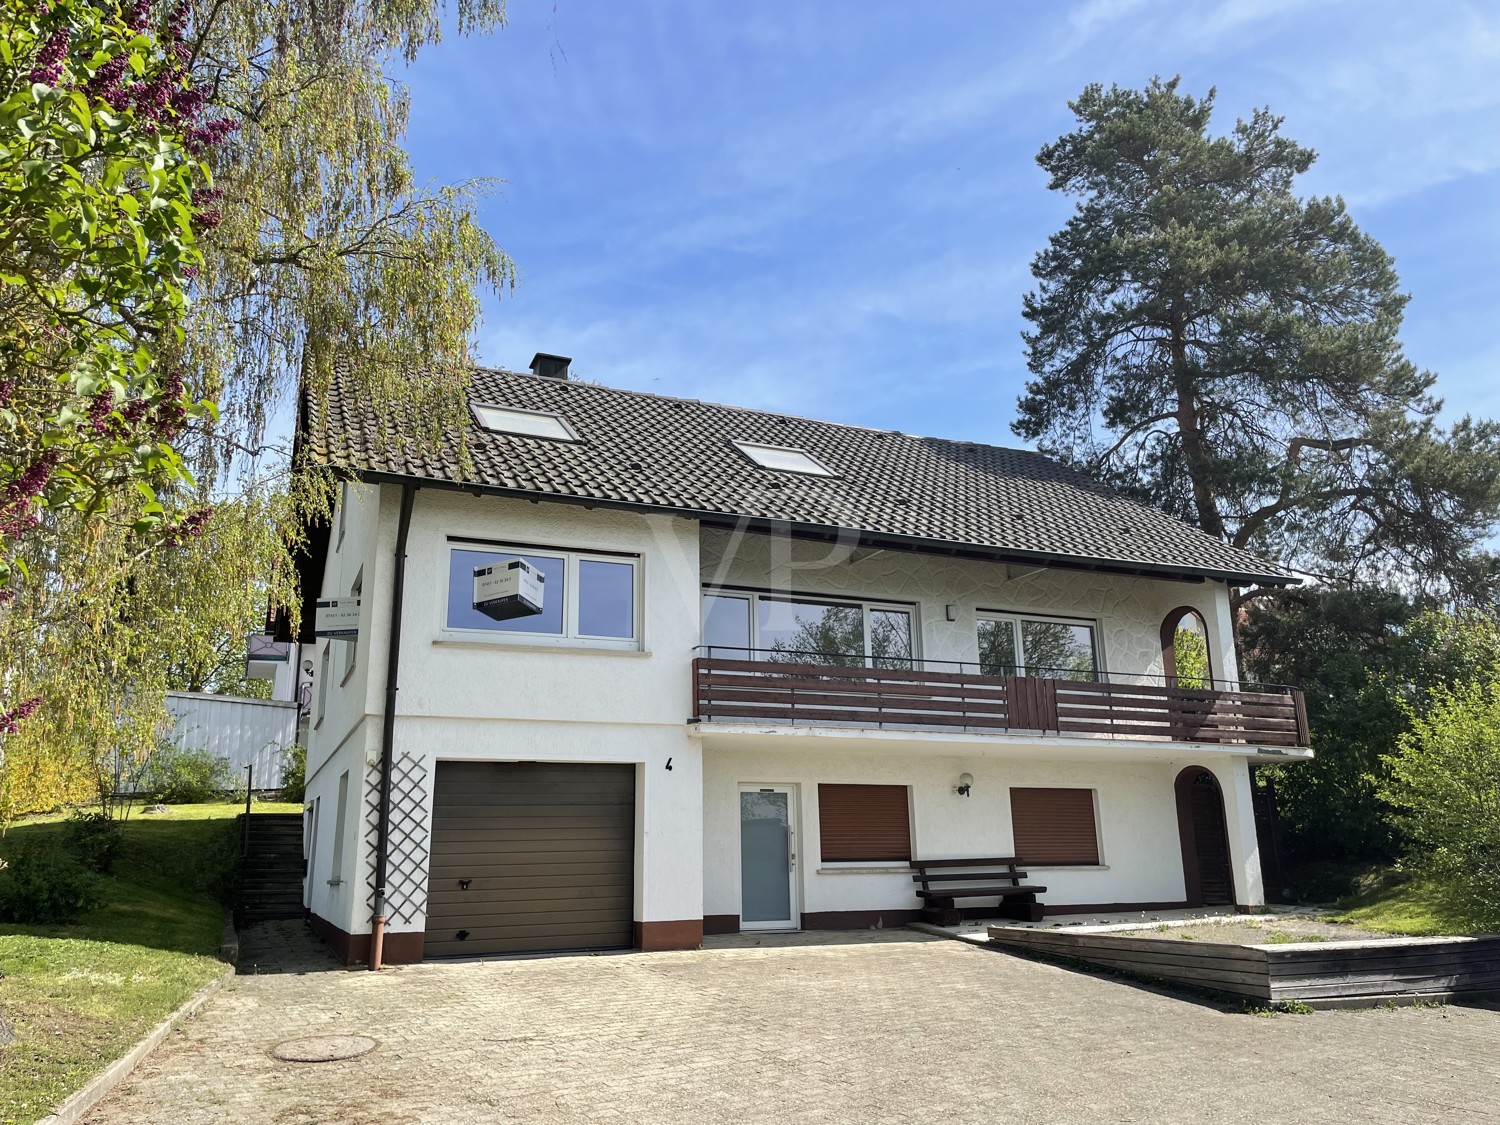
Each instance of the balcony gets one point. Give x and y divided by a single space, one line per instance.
819 689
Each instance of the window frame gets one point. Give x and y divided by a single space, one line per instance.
1017 618
324 665
744 447
867 605
351 644
569 433
570 637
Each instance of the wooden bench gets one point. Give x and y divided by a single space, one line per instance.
993 878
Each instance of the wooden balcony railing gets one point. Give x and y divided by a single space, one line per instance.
751 686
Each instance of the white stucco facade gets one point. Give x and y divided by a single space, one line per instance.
467 697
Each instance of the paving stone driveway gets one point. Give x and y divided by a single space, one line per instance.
861 1027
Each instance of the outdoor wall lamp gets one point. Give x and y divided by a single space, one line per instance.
965 783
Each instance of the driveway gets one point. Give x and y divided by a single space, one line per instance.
855 1027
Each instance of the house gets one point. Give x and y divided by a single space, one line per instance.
775 660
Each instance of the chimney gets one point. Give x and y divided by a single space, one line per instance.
550 366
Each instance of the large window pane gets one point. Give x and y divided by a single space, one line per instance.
1058 650
463 615
997 647
726 626
890 638
606 599
811 632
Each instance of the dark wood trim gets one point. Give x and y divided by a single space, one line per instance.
657 937
737 690
860 919
354 949
721 923
1187 835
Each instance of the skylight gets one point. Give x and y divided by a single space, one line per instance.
527 423
783 458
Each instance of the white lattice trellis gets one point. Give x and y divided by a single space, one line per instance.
406 867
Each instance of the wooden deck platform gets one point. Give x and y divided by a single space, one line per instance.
1321 974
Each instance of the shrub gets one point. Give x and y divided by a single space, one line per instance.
294 774
185 777
45 885
95 839
1445 782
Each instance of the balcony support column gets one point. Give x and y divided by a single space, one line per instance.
1239 819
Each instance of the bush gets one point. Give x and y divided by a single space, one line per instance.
294 774
45 885
95 839
1445 782
186 777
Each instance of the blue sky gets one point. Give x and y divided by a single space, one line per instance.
830 208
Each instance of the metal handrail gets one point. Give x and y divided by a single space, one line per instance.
978 668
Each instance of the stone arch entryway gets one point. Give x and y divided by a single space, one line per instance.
1207 870
1184 648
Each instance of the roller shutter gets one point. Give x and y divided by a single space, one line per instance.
864 822
530 856
1054 825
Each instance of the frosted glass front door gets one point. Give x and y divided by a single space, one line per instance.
767 859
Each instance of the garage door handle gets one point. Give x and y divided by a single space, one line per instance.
463 884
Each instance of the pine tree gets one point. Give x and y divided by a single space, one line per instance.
1228 351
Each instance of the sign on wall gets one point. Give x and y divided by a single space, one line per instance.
337 618
508 589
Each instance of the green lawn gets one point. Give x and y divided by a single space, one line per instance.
1394 903
79 996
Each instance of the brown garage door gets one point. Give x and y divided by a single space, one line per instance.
530 856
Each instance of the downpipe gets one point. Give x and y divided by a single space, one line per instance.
388 728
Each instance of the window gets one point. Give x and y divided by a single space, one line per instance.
351 644
323 683
526 423
340 823
783 458
1054 826
587 599
808 630
864 823
1010 645
343 511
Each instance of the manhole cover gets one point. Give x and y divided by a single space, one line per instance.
324 1048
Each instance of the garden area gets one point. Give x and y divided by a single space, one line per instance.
129 918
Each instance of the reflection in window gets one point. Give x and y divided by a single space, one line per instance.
463 615
804 631
997 647
1012 646
606 599
1058 650
584 597
890 638
812 632
726 626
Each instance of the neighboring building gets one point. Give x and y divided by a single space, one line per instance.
776 659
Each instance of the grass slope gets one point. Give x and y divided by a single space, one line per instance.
1396 904
79 996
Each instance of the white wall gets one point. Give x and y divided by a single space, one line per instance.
1130 610
490 699
1139 847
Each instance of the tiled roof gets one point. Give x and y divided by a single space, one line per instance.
648 451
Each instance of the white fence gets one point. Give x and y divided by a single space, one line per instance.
245 731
